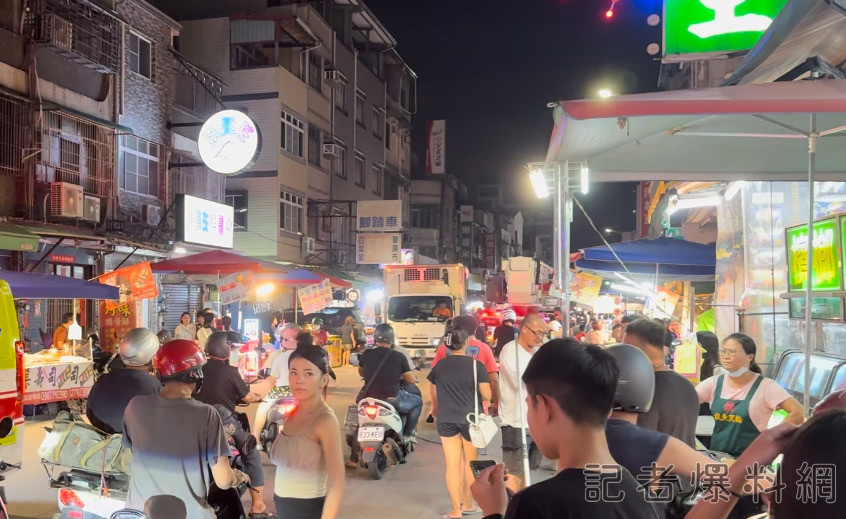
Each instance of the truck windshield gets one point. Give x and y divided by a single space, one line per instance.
420 308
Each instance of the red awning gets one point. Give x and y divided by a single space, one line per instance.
216 262
771 98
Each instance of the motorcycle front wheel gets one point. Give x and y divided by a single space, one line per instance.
377 466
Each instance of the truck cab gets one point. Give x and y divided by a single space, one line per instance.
12 383
418 301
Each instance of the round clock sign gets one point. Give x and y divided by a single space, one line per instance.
229 142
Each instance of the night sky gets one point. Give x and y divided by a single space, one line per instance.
489 68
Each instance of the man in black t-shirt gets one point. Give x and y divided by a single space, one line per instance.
223 388
382 368
675 406
112 392
570 388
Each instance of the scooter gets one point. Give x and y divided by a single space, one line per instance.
374 430
100 496
277 415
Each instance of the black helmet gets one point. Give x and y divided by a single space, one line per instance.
636 385
217 346
384 333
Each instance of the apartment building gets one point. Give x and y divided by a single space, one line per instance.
333 101
434 217
87 94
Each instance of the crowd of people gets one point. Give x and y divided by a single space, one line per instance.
608 415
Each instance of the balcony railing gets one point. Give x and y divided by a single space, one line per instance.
78 30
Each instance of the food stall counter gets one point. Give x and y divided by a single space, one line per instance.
52 377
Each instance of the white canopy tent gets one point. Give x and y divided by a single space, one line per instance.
791 131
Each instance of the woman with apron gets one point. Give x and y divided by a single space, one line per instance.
742 401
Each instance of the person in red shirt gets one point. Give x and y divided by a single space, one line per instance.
486 357
321 337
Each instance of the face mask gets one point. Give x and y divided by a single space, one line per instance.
738 372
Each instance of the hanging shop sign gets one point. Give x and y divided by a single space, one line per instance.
315 298
229 142
378 215
235 287
204 222
826 269
436 147
374 249
584 288
716 26
135 282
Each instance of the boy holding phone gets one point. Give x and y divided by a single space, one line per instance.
571 389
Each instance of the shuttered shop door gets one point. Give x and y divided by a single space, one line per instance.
180 298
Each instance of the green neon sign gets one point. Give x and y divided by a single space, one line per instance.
826 270
710 26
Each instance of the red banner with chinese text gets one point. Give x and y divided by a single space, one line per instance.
135 282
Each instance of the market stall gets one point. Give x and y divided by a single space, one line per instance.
780 132
58 374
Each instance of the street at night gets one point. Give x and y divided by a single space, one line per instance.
342 259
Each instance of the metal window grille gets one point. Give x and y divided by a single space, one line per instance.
77 151
78 30
412 275
14 117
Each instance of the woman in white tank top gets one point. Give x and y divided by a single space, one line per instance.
307 453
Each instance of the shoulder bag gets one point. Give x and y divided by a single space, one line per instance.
483 428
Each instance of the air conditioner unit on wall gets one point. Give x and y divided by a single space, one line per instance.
151 214
308 245
330 149
57 31
91 209
66 200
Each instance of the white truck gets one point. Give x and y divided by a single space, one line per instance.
418 301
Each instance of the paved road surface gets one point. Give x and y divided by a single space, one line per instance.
415 489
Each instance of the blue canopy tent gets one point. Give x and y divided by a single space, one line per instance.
29 285
664 257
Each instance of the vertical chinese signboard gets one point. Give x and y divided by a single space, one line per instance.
826 270
466 234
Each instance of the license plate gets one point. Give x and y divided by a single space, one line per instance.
371 434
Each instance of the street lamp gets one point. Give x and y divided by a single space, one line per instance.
559 175
605 93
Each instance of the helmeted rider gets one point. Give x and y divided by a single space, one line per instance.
176 439
321 336
382 368
277 366
112 392
637 448
223 388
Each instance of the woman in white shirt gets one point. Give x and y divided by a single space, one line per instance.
185 330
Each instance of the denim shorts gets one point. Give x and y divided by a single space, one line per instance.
448 430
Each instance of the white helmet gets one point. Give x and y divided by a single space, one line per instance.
138 347
509 314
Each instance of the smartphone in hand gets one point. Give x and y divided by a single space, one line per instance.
477 466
